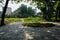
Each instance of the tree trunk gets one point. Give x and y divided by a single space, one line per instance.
4 11
56 15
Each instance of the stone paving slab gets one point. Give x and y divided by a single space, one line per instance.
16 31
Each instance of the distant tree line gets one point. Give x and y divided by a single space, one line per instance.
23 11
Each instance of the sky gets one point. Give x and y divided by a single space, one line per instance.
15 6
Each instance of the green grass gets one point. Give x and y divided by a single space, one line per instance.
30 21
53 19
11 20
26 20
33 20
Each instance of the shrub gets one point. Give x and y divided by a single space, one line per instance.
38 24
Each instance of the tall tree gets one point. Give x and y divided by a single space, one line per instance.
22 11
4 11
57 8
25 11
30 11
46 6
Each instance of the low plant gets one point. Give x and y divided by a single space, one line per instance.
38 24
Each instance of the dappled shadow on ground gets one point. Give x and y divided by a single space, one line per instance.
16 31
38 33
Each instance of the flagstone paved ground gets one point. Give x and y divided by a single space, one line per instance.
15 31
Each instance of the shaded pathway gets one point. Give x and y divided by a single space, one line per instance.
15 31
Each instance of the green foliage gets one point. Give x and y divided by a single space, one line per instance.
26 20
54 19
48 7
38 24
23 9
11 20
33 19
30 11
56 4
25 12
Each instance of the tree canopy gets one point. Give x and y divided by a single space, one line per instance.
25 11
